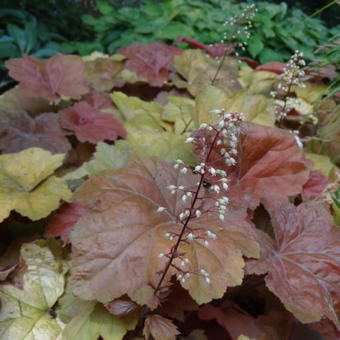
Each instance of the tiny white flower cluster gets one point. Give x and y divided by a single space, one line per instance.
183 277
206 276
222 137
241 25
293 75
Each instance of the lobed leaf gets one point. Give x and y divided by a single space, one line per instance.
105 157
24 312
302 262
90 320
26 184
63 221
152 61
121 235
160 328
231 317
199 70
59 76
271 166
19 131
91 125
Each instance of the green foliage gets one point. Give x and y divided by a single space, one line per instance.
21 33
277 30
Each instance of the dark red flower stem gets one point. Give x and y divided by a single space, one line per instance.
179 240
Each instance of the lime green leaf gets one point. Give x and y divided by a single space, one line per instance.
209 98
26 184
139 113
180 111
106 157
322 163
88 320
262 82
199 70
164 145
25 312
311 93
256 107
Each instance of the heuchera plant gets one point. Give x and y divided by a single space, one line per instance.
141 199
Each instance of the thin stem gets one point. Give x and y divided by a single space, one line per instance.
176 246
286 98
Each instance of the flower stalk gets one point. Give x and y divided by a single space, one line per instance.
225 133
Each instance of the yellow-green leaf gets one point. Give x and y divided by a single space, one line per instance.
180 111
322 163
256 107
311 93
199 70
27 184
164 145
106 157
209 98
88 320
139 113
25 312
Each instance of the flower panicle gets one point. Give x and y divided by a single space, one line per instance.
293 75
224 136
241 25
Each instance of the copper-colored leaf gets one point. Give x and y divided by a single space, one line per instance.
91 125
303 261
177 302
121 236
160 328
216 50
231 317
271 166
151 61
59 76
315 185
273 66
326 328
99 100
61 224
19 131
121 308
102 71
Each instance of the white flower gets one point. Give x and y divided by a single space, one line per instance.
190 237
189 140
215 111
161 209
298 141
